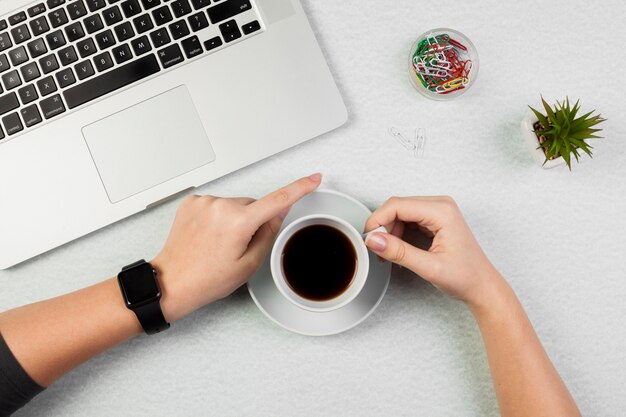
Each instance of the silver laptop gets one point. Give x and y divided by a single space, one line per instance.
108 107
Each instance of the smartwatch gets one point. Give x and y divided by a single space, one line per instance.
142 294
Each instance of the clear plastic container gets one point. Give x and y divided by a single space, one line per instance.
443 64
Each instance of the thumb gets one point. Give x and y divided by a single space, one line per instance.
399 252
263 239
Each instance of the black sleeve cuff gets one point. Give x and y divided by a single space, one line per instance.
16 387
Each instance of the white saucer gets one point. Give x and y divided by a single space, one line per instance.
286 314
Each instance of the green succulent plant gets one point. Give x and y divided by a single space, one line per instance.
562 134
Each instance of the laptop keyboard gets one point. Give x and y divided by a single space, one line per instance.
58 55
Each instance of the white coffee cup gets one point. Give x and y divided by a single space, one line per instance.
360 274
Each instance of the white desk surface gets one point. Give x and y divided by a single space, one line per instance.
558 237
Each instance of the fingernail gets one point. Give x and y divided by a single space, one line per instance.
376 242
316 177
283 214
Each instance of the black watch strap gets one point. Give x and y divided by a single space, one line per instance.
150 316
134 264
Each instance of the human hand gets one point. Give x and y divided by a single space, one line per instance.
454 263
216 244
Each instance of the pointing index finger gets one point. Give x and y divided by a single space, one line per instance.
273 204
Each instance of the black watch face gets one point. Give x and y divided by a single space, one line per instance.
139 285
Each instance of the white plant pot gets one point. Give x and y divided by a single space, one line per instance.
533 144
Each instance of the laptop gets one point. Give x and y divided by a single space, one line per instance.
108 107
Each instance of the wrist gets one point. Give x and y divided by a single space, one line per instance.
490 293
496 304
179 296
125 319
170 305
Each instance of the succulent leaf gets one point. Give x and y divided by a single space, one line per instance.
566 134
549 111
542 119
575 109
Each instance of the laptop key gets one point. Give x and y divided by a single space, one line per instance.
11 80
4 63
192 47
17 18
179 29
251 27
58 18
18 56
230 31
199 4
65 77
198 21
20 33
93 23
5 41
54 3
111 81
37 48
30 72
181 8
56 39
112 15
39 26
12 124
68 55
84 70
228 26
149 4
86 47
95 5
228 9
122 54
28 94
103 61
171 56
162 15
74 31
46 86
31 115
76 9
3 24
131 8
143 23
8 102
52 106
124 31
49 63
36 10
105 39
141 45
213 43
159 37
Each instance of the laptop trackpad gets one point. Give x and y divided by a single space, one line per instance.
148 144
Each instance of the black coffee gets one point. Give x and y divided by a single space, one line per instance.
319 262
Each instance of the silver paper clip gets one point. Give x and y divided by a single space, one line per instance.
402 139
416 145
420 142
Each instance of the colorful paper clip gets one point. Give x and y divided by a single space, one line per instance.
439 65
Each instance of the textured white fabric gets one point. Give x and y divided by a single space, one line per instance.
558 237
